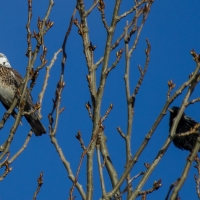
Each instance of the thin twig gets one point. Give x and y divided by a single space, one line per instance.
40 182
143 72
101 171
80 163
116 43
48 68
92 7
61 84
129 184
107 113
98 63
7 167
171 86
171 188
101 8
88 107
118 55
197 177
156 186
78 137
194 101
194 130
131 10
22 148
121 133
145 13
68 168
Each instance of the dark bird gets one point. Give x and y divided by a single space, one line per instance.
10 81
185 124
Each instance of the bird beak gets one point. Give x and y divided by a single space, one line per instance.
170 110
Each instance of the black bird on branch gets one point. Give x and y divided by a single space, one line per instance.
186 124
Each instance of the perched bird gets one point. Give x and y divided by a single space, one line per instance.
10 81
185 124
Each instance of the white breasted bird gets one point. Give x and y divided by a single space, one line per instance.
10 81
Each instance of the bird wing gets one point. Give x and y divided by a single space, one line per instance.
189 122
16 76
18 79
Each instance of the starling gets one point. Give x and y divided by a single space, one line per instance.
185 124
10 81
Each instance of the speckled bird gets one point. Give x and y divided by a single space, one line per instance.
185 124
10 81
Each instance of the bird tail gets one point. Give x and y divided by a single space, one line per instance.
36 125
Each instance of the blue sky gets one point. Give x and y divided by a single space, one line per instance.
172 28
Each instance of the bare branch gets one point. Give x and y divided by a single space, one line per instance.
78 137
194 101
101 171
145 13
22 148
171 86
7 167
113 46
186 170
117 41
107 112
92 7
80 163
129 184
68 168
61 83
171 188
156 186
48 68
194 130
132 9
88 107
101 8
143 72
98 63
90 86
118 55
197 178
121 133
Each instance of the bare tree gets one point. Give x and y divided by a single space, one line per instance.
120 44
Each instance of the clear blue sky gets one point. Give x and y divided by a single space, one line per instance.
172 29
